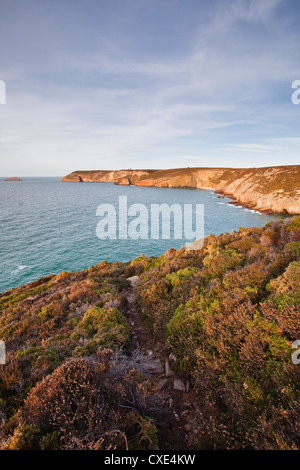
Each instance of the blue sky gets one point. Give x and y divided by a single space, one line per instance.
115 84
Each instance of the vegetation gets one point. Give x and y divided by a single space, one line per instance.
229 313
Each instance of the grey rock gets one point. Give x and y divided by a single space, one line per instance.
154 366
169 372
172 357
133 280
179 385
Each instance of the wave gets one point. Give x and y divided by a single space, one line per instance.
240 207
253 211
20 267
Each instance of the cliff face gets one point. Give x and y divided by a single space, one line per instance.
270 189
106 176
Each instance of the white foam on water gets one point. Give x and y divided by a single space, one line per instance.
19 268
240 207
252 210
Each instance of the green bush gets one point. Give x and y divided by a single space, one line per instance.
108 328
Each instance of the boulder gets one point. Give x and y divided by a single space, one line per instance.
179 385
153 366
169 372
133 280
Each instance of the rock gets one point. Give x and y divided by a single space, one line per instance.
169 372
123 181
133 280
179 385
154 366
73 178
172 357
176 416
14 178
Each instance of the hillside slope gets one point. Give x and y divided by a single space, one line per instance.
270 189
220 320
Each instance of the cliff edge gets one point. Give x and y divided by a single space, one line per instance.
268 189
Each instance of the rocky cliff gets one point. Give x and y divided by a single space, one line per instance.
269 189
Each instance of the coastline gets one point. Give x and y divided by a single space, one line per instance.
268 190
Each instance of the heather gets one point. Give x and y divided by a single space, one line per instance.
227 314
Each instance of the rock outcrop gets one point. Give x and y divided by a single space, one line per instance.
269 189
14 178
107 176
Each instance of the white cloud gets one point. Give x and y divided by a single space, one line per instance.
108 106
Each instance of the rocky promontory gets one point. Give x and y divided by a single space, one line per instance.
268 189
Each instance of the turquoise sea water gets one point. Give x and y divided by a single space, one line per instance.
47 226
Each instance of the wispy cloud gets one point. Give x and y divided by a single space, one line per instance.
105 87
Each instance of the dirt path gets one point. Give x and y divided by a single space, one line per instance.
176 404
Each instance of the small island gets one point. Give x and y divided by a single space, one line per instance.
14 178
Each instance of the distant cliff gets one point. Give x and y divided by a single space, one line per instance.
269 189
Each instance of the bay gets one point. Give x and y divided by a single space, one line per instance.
47 226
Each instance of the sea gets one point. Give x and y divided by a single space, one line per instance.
47 226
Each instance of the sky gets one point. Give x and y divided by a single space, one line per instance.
115 84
